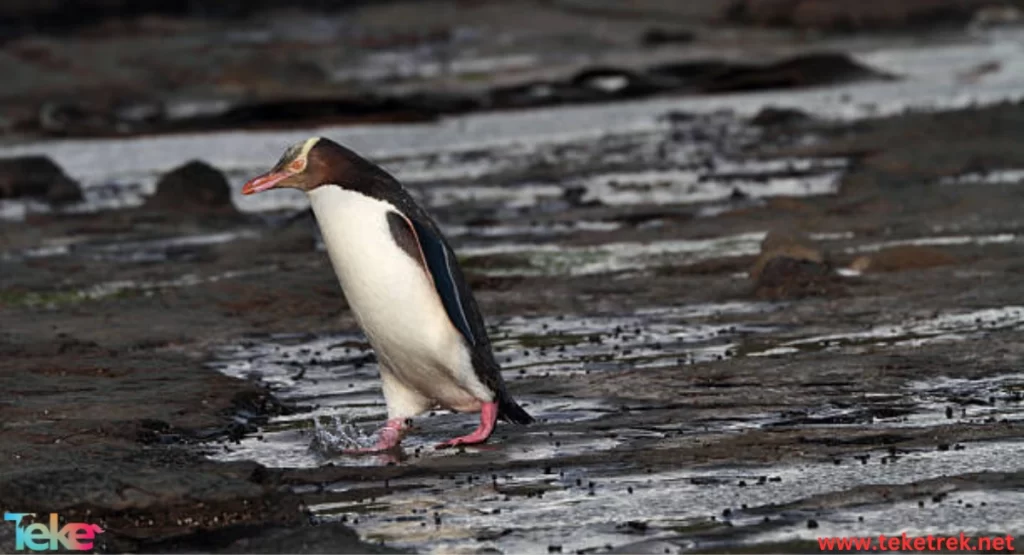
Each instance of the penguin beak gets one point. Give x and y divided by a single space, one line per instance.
266 181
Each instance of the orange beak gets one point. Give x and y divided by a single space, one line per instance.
266 181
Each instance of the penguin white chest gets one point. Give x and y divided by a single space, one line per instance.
392 296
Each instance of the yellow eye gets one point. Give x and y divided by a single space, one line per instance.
297 165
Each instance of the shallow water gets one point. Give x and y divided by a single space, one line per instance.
592 507
338 376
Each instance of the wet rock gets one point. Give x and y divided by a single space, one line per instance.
615 82
19 17
68 119
713 76
997 16
911 151
193 187
658 36
851 15
99 119
898 259
132 114
678 116
786 278
791 267
791 204
772 116
98 116
354 109
785 244
601 83
36 177
328 537
799 71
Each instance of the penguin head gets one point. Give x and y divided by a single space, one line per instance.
320 161
300 168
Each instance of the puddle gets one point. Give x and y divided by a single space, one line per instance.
941 400
182 247
534 260
932 402
949 240
754 180
535 230
945 327
581 345
336 376
110 288
422 63
998 177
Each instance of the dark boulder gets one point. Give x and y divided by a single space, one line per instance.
785 244
659 36
855 15
614 82
784 278
792 267
803 70
36 177
772 116
193 187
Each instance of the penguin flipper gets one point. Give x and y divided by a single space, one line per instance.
440 262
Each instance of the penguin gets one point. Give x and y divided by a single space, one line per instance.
405 288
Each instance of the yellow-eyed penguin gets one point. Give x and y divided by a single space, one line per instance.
405 289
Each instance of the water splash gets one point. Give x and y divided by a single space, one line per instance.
334 434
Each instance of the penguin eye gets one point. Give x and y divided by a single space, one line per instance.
297 165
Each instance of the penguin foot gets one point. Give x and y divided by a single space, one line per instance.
389 437
488 416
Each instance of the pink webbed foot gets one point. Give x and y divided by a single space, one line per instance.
389 437
488 417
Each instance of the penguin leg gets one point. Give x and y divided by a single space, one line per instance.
387 438
488 417
403 403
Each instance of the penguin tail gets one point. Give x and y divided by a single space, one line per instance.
510 411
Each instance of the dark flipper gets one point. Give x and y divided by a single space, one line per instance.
440 262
